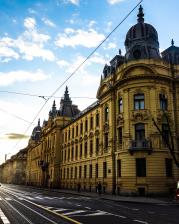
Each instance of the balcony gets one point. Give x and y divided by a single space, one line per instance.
143 145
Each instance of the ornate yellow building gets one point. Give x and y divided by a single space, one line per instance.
128 139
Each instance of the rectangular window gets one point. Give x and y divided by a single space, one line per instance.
79 171
86 149
163 102
104 169
86 125
72 132
68 135
85 168
77 130
168 167
97 145
118 168
67 173
106 141
106 114
120 135
90 171
75 172
81 128
81 150
139 102
120 106
97 120
72 153
91 123
71 172
76 155
140 167
139 133
96 173
165 132
91 147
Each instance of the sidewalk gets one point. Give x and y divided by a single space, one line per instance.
131 199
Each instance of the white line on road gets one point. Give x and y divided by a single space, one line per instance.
135 220
0 199
4 218
98 213
8 199
87 207
60 210
74 212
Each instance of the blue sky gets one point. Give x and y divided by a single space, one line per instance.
42 42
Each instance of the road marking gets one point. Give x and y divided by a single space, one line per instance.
4 218
87 207
74 212
97 213
8 199
39 197
60 209
135 220
0 199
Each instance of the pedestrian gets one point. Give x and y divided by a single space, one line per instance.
99 187
79 187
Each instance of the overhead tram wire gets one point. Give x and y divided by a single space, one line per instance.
79 66
44 96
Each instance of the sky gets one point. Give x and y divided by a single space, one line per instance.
43 41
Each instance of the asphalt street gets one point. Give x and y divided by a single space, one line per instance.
21 205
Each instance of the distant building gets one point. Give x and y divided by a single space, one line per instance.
115 141
13 171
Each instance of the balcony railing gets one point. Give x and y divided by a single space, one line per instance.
142 145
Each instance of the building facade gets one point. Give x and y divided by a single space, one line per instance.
13 171
128 139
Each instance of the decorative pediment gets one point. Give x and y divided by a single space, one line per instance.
85 137
106 127
91 134
138 69
139 116
81 139
76 140
120 119
96 132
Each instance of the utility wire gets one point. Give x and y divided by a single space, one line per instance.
43 96
78 67
13 115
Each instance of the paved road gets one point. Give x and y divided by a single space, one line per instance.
21 205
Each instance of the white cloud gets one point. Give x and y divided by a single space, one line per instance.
30 23
112 2
74 2
91 23
28 45
48 22
21 76
7 53
110 46
95 59
32 11
63 63
72 38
